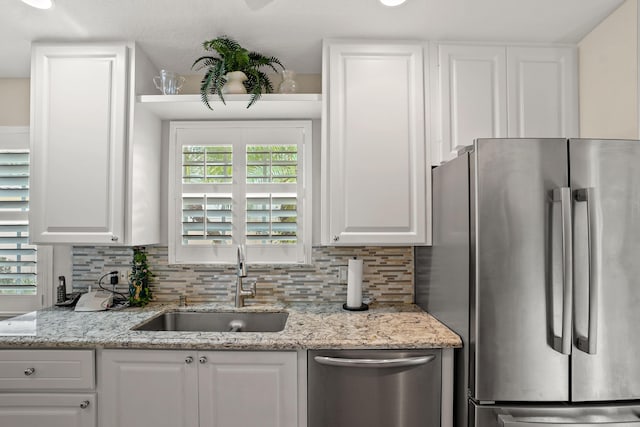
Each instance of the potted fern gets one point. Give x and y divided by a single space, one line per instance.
234 70
139 278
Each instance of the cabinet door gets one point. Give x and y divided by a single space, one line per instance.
543 92
473 95
44 409
140 388
374 144
78 114
248 389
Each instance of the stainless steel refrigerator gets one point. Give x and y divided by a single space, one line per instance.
536 264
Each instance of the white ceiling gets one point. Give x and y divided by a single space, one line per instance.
171 31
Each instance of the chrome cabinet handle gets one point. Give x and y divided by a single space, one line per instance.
29 371
114 238
84 404
336 238
562 344
188 360
203 359
374 363
589 343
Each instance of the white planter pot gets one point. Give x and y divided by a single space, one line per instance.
234 83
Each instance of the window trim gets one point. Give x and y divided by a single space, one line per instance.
212 254
12 138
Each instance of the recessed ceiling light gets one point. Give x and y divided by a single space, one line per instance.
389 3
40 4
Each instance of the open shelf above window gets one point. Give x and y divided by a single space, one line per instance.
269 106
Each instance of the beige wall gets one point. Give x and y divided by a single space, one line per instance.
14 102
14 95
307 83
608 64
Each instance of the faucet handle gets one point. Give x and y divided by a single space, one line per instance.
249 291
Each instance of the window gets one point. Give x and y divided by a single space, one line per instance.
235 183
24 268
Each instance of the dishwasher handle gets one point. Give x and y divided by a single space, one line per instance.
374 363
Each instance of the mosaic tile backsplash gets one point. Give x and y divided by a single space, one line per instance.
388 275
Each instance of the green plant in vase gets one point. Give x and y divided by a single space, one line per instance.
234 70
139 278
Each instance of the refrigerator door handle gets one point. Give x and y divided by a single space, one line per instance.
510 421
562 344
588 344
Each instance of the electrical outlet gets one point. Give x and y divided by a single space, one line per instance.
342 273
124 275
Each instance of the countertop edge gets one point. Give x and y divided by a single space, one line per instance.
310 327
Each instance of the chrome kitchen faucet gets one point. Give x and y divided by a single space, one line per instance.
241 272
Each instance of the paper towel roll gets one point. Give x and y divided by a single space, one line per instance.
354 283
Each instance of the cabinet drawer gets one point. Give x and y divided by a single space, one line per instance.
46 369
48 409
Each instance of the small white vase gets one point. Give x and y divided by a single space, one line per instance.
234 83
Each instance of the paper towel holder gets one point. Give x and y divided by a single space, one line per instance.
363 307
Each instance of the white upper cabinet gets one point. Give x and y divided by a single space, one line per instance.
496 91
374 180
473 95
78 128
95 160
542 84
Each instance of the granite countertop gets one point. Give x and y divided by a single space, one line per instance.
309 326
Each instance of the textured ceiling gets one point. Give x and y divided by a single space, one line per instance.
171 32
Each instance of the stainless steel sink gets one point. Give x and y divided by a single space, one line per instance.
216 322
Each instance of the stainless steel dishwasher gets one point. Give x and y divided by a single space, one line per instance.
374 388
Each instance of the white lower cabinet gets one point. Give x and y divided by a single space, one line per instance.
53 388
248 389
148 388
169 388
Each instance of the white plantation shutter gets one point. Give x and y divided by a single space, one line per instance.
25 269
207 218
272 201
17 256
206 181
272 219
240 183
